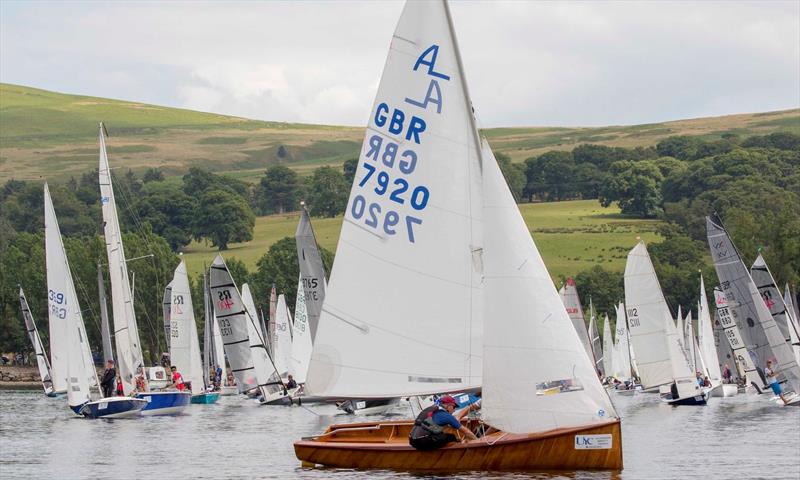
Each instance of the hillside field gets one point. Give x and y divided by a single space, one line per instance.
572 236
52 136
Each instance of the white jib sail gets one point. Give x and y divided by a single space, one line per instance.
689 342
36 342
265 371
75 356
283 337
623 368
126 333
411 233
536 372
679 323
772 297
301 339
572 302
682 374
233 323
184 344
742 357
648 316
708 349
608 349
312 270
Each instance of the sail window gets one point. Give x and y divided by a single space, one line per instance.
553 387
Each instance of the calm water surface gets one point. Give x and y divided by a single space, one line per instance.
735 438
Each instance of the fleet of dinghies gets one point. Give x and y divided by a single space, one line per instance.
438 288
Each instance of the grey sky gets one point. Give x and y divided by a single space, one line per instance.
527 63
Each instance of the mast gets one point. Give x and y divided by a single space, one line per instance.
208 343
105 331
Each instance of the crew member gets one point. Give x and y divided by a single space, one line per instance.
428 432
177 378
107 382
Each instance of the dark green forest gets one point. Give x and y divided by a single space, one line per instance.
752 183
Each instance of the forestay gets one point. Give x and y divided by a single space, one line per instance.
572 302
708 349
312 270
38 347
126 333
772 297
411 234
301 339
233 324
184 344
536 372
64 310
283 337
268 378
748 309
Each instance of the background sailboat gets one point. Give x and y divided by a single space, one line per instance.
38 347
572 302
708 349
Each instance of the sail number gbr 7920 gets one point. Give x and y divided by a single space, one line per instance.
385 196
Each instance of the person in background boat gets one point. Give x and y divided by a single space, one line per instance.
699 378
706 382
290 383
772 381
120 389
177 378
140 385
428 432
726 374
107 382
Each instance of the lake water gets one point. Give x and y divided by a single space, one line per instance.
742 437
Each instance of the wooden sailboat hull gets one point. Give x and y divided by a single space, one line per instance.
384 445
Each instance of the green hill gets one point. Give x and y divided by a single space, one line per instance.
53 135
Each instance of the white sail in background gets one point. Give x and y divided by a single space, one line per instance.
283 337
682 374
597 344
744 359
725 355
312 270
765 339
572 302
233 323
184 344
268 379
648 318
536 374
72 344
301 338
771 296
608 349
708 349
622 369
689 342
792 323
38 347
679 323
126 333
411 234
166 308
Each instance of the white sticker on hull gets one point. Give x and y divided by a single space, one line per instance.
593 442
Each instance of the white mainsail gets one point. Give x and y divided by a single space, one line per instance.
126 333
689 342
608 349
622 369
772 297
659 353
36 342
64 310
312 270
301 338
597 345
572 302
166 309
708 349
268 379
765 339
283 337
792 323
411 234
679 323
536 373
233 321
184 344
731 331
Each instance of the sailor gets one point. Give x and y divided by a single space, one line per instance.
773 382
177 378
107 382
726 374
290 382
428 432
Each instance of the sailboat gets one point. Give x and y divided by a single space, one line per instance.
301 338
660 354
792 320
597 345
623 366
457 245
283 337
708 350
184 342
83 392
608 349
761 335
130 361
38 347
765 283
572 302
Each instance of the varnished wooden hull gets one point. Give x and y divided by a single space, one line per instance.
384 445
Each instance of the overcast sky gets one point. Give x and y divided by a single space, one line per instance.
527 63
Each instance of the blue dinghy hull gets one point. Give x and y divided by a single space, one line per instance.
111 407
206 398
165 403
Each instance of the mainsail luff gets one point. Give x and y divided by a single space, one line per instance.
536 374
426 245
312 270
572 302
38 347
126 333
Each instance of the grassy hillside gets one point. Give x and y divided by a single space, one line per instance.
52 135
572 236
